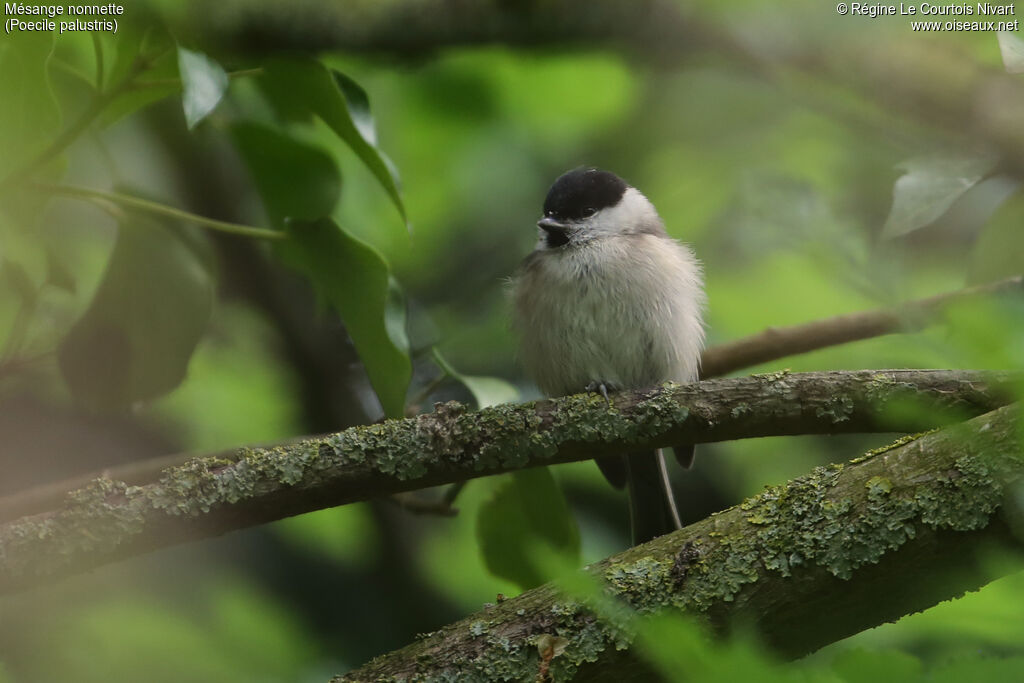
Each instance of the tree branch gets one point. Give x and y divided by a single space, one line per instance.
774 343
109 519
771 344
414 30
842 549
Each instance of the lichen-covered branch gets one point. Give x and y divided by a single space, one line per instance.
827 555
109 519
770 344
780 342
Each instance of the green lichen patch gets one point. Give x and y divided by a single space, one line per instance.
660 412
837 409
825 520
882 388
94 521
772 377
645 583
966 497
741 410
510 437
588 418
903 440
878 486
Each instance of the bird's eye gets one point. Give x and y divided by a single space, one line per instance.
589 211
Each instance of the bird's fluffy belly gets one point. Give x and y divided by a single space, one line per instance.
600 318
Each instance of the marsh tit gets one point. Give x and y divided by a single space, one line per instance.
607 301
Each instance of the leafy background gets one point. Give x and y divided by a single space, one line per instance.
352 220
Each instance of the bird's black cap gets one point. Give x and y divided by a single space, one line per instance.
583 191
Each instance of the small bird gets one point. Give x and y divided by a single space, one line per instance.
608 301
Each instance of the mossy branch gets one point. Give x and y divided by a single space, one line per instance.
109 519
842 549
770 344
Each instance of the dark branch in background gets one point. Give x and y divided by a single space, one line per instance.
327 399
774 343
823 557
418 30
207 496
921 80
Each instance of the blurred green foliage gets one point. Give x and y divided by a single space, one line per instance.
783 185
527 509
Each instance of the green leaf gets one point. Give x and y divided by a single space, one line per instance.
864 666
296 180
929 187
1011 47
158 81
346 534
58 272
23 245
15 279
341 104
354 278
527 511
487 391
19 281
138 37
358 107
115 55
999 249
204 82
301 182
980 667
29 116
395 316
150 310
490 391
239 622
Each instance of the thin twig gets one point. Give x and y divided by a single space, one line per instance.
97 48
779 342
100 197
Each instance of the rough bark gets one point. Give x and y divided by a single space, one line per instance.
206 496
770 344
845 548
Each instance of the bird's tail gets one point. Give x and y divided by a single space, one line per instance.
652 506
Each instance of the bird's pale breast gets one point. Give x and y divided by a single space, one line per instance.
605 311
